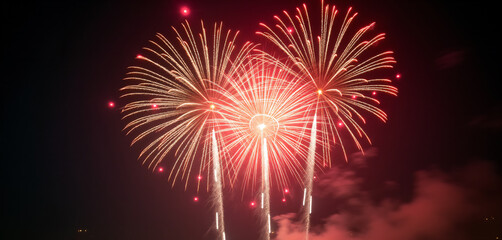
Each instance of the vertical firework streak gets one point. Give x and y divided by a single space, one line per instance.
338 70
265 194
309 176
217 189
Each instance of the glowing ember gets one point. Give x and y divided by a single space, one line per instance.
111 104
185 11
161 169
195 199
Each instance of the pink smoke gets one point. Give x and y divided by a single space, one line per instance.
463 204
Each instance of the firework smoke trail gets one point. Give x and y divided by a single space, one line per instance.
217 189
309 176
337 67
265 194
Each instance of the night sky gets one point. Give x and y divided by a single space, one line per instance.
67 165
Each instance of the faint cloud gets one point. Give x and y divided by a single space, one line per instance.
450 59
359 159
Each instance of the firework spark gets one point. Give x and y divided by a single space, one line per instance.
172 103
340 69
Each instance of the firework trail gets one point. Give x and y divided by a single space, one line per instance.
337 68
173 105
217 193
265 194
266 129
309 176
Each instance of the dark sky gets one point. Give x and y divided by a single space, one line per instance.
66 164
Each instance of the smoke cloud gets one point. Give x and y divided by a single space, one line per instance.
461 204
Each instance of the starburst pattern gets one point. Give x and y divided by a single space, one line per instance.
172 99
342 66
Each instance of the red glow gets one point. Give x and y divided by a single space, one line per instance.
155 105
161 169
373 93
398 76
252 204
185 11
139 56
286 190
354 96
283 199
195 199
340 124
111 104
290 30
199 177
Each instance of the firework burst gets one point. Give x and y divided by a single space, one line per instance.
172 103
265 122
171 97
341 68
266 102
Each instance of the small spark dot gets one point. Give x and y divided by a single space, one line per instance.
155 106
199 177
354 96
398 76
261 126
373 93
319 91
139 56
252 204
340 124
111 104
286 190
161 169
290 30
185 11
195 199
283 199
212 106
